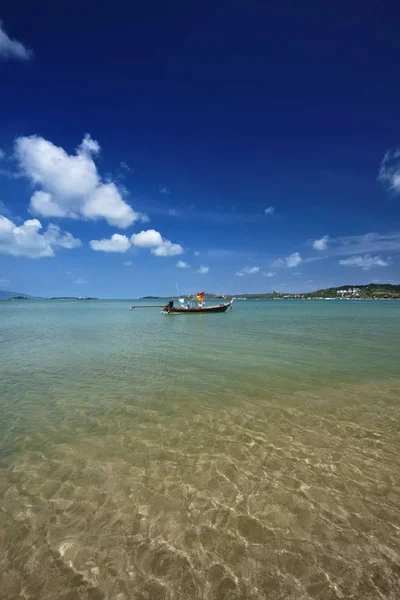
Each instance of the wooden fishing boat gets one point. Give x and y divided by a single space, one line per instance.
190 305
170 309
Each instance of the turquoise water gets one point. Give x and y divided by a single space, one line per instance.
252 454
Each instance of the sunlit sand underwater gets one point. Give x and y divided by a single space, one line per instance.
246 455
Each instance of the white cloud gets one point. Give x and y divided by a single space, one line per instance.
25 239
248 271
269 274
154 240
167 248
293 260
89 146
147 239
174 212
389 172
269 211
80 281
203 270
196 253
290 261
117 243
365 262
106 202
10 49
163 189
182 265
2 154
4 282
70 185
322 243
368 243
127 263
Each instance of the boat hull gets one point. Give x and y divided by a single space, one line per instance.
177 310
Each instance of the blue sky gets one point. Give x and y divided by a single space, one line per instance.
243 147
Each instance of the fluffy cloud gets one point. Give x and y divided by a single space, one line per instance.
365 262
70 185
290 261
167 248
322 243
389 173
80 281
182 265
10 49
154 240
247 271
117 243
25 239
147 239
203 270
269 274
269 211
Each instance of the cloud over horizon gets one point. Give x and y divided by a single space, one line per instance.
26 239
293 260
365 262
247 271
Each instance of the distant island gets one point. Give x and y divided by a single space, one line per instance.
12 295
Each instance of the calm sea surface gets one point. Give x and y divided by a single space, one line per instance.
247 455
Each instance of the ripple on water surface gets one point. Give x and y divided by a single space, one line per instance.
250 456
288 497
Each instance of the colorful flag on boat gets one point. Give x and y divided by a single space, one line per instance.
200 297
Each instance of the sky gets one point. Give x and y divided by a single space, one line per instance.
223 146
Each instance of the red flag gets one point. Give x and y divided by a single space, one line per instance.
201 294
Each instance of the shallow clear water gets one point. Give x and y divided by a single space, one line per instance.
252 454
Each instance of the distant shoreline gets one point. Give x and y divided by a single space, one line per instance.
371 291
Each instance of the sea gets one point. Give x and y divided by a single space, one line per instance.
248 455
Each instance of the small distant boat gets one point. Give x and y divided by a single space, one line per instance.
170 309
